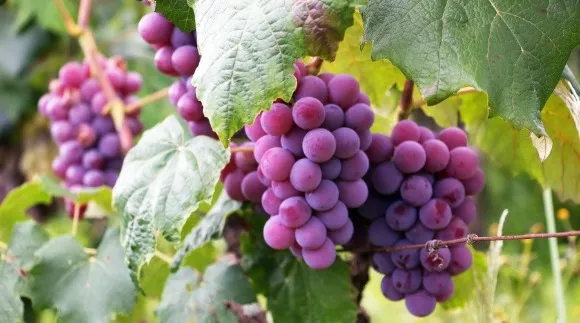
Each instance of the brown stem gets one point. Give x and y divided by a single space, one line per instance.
470 239
84 13
76 217
147 100
406 99
313 67
71 27
244 149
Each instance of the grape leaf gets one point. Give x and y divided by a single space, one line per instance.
26 239
207 229
515 50
163 180
179 12
45 13
248 50
102 196
80 287
188 297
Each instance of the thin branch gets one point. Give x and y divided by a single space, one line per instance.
163 256
76 216
147 100
242 149
84 13
71 27
406 99
313 67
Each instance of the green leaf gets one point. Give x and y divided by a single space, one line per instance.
209 228
102 196
248 50
190 298
179 12
26 239
80 287
465 283
515 50
164 179
45 12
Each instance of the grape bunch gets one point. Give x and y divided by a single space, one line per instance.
241 179
420 185
90 153
311 160
177 55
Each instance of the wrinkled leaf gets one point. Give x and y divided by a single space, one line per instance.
179 12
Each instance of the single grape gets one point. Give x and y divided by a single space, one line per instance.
389 291
355 167
294 211
135 125
163 61
62 131
347 142
409 157
456 229
59 167
451 190
343 90
284 189
245 160
264 144
71 152
461 260
110 145
115 163
305 175
437 155
474 184
155 29
311 87
381 235
277 163
334 117
71 75
74 175
405 259
425 134
296 251
263 179
342 235
319 145
435 261
363 98
324 197
79 113
102 125
278 120
383 263
401 216
292 141
179 38
407 281
463 163
418 233
386 178
185 59
56 109
320 258
353 193
325 77
233 185
359 117
447 294
133 83
201 128
117 77
312 234
308 113
381 149
467 210
86 135
420 303
252 188
94 178
93 160
436 214
176 91
437 283
453 137
405 130
366 137
255 131
416 190
331 169
189 107
277 235
335 218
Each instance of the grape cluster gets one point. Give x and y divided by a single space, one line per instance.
90 153
241 179
420 185
311 161
177 55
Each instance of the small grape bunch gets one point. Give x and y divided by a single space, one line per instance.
90 152
240 176
420 185
177 56
310 155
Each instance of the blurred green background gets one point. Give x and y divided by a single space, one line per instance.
33 46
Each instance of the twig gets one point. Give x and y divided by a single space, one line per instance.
242 149
313 67
163 256
147 100
76 216
84 13
71 27
406 99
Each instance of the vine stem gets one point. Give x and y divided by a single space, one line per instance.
163 256
76 216
84 13
148 99
554 255
406 100
313 66
246 149
470 239
71 27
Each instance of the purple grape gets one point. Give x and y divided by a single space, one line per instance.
86 135
110 145
343 90
252 188
93 160
56 109
308 113
74 175
380 234
115 163
80 113
409 157
383 263
474 184
155 29
278 120
233 185
43 102
295 211
324 197
446 294
319 145
453 137
334 117
277 235
386 178
98 103
347 142
61 131
179 38
305 175
93 178
325 77
255 131
437 155
59 167
176 91
451 190
355 167
270 202
284 189
456 229
436 261
264 144
331 169
461 260
190 108
359 117
117 78
418 233
245 160
163 61
335 218
407 281
133 83
342 235
405 259
185 60
381 149
320 258
312 234
263 178
363 98
416 190
405 130
425 134
366 138
437 283
292 141
420 303
467 210
401 216
135 125
89 88
296 251
102 125
463 163
311 87
277 163
71 152
353 193
436 214
389 291
201 128
71 75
